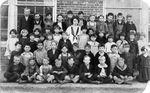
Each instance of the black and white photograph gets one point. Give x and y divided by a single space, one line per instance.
75 46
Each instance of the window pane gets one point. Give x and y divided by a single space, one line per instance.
4 23
39 0
3 35
21 0
39 9
30 0
48 10
4 10
149 16
31 9
149 33
21 9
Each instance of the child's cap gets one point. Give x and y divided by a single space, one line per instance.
80 12
83 27
57 27
76 44
126 45
69 12
144 48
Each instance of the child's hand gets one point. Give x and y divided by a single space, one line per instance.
89 76
98 75
48 75
125 77
122 77
110 76
22 74
55 72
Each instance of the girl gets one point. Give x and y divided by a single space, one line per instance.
11 42
26 55
48 41
142 42
48 22
64 55
60 23
45 72
31 71
109 44
57 36
42 37
83 38
92 23
120 43
144 65
94 44
37 33
74 30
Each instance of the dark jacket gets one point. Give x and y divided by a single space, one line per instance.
52 56
13 53
64 27
83 69
133 47
33 45
72 70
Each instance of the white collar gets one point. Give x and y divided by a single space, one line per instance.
100 66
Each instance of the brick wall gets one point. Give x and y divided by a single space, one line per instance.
87 6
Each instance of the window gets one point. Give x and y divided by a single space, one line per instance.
4 21
149 27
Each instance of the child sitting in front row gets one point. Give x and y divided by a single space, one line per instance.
59 71
122 74
14 70
102 71
45 72
73 71
30 73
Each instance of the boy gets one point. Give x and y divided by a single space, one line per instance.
53 53
113 57
57 33
102 53
17 51
32 42
86 71
122 74
109 44
102 71
82 21
68 19
40 53
59 71
14 70
73 71
128 57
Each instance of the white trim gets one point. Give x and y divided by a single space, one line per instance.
123 7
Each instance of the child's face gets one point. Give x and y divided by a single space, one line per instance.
121 63
37 16
54 46
40 46
101 19
84 30
70 15
47 31
58 63
32 38
114 50
101 49
81 16
132 37
17 60
93 38
75 22
126 49
101 34
75 48
56 30
49 37
59 18
64 36
32 62
129 19
42 38
49 17
18 47
87 49
24 33
91 32
92 18
122 37
45 62
36 32
13 34
27 48
102 60
86 60
64 49
110 39
110 18
120 18
71 61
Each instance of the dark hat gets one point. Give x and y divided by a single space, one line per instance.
80 12
69 12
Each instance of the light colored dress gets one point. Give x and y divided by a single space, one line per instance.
94 47
74 33
83 40
10 45
47 44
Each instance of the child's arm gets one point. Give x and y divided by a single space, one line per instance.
41 70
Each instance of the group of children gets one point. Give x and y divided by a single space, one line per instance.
87 52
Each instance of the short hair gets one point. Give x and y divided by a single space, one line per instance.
100 57
132 33
90 29
86 56
114 45
57 27
87 45
110 14
13 30
17 55
32 58
101 45
83 27
18 43
80 12
60 15
126 45
37 29
26 9
122 34
76 44
48 14
71 57
110 36
31 34
119 14
27 45
24 30
121 58
53 41
74 17
128 15
94 35
39 42
100 16
58 60
69 12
